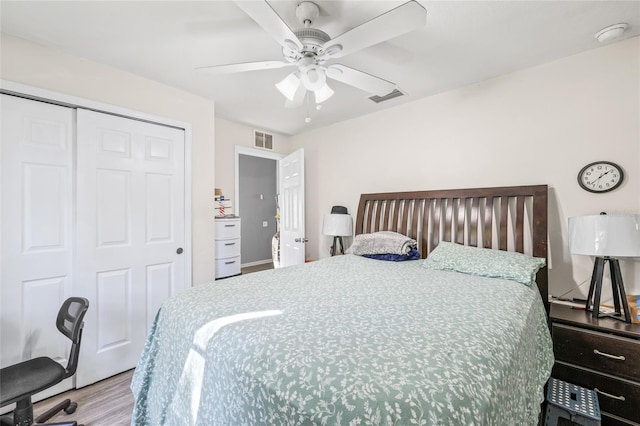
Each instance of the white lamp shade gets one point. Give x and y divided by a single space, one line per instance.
289 86
313 78
603 235
340 225
322 94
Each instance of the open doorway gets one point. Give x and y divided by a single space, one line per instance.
256 190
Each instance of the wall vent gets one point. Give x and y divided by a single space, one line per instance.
377 99
262 140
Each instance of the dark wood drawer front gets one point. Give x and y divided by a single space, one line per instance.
616 390
606 353
610 420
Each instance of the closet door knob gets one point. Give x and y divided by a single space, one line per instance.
179 251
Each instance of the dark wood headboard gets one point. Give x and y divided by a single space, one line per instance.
505 218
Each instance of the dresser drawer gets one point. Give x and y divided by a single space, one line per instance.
616 396
611 420
227 229
227 267
227 248
606 353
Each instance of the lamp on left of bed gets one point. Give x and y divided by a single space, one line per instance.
338 224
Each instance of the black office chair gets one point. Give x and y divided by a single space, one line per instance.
20 381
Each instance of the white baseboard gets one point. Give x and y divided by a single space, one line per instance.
256 263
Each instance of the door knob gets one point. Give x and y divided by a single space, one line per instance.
179 251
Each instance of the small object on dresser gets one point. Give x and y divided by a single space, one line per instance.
224 208
571 402
634 307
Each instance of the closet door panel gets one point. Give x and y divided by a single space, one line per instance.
113 208
36 228
130 227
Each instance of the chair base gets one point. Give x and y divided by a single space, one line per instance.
66 405
58 424
23 415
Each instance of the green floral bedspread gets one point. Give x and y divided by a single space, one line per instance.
346 341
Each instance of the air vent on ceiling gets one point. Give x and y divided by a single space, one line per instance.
262 140
377 99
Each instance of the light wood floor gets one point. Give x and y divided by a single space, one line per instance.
106 403
256 268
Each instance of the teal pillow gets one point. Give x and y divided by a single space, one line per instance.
484 262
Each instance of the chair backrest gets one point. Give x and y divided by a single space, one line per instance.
70 323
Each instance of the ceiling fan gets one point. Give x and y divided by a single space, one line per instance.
309 49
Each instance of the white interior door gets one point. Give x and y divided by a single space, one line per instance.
292 231
37 239
130 226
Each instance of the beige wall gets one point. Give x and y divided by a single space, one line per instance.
228 135
42 67
537 126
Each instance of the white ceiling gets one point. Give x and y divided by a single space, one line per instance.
463 42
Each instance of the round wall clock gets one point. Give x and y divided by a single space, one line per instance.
600 176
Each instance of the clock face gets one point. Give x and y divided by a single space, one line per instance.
600 176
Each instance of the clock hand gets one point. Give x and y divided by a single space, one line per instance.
599 177
594 182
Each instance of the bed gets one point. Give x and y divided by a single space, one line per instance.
350 340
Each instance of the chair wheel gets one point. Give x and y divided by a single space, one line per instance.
71 408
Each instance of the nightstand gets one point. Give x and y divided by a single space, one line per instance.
599 354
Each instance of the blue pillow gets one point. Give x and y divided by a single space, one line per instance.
484 262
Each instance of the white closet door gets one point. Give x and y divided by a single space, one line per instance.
36 261
130 227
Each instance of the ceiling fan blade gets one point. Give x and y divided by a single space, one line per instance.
403 19
245 66
270 21
298 98
361 80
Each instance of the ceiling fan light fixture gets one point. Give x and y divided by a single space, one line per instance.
323 93
289 86
313 78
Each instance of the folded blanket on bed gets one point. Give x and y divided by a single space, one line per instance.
383 242
413 254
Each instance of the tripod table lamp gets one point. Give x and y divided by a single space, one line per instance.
607 237
338 224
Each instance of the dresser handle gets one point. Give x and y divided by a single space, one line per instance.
230 244
620 398
618 357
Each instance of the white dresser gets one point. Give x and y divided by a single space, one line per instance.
227 247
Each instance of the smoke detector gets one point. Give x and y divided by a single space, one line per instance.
612 32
